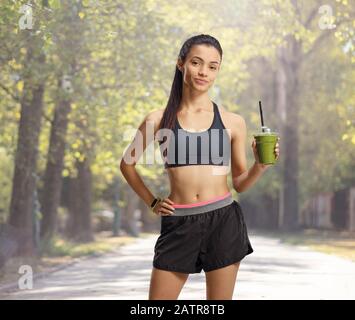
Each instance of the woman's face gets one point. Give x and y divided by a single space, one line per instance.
202 62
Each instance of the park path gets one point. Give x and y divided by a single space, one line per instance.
273 271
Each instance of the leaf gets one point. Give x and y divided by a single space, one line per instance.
20 86
54 4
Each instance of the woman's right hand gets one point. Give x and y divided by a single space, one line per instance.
164 208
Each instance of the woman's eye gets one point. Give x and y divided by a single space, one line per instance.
195 62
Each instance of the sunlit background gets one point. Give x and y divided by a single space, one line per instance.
76 76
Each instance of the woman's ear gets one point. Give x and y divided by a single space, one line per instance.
179 64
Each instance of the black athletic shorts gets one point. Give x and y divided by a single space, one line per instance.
208 235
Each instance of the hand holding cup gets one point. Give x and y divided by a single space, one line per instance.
256 154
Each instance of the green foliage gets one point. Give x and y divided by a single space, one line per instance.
5 184
120 57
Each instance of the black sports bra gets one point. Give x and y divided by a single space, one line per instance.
209 147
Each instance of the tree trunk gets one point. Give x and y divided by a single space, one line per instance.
53 174
72 221
288 106
24 183
128 218
79 226
68 50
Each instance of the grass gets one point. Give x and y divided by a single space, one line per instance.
61 251
339 243
60 247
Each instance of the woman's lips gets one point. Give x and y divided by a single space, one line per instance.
200 81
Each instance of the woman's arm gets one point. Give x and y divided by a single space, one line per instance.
135 181
135 150
248 178
242 178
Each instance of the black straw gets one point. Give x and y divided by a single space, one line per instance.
261 114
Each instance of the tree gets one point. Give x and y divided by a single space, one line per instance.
31 102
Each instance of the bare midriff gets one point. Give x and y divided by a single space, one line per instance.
197 183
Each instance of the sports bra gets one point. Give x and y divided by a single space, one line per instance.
209 147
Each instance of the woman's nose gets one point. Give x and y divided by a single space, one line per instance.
202 72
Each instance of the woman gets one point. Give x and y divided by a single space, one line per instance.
202 227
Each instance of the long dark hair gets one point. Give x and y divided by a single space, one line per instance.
170 111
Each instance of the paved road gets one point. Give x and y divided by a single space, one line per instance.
272 271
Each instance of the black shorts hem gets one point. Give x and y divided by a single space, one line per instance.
174 269
226 263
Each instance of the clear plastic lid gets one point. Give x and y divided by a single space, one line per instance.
266 131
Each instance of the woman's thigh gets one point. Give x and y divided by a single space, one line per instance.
220 282
166 285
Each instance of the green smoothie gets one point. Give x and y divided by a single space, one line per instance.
265 145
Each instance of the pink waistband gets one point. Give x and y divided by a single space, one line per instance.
201 203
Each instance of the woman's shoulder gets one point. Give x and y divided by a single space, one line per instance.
155 116
231 119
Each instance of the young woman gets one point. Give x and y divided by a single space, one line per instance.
202 227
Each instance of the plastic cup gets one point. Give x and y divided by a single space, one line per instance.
265 146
